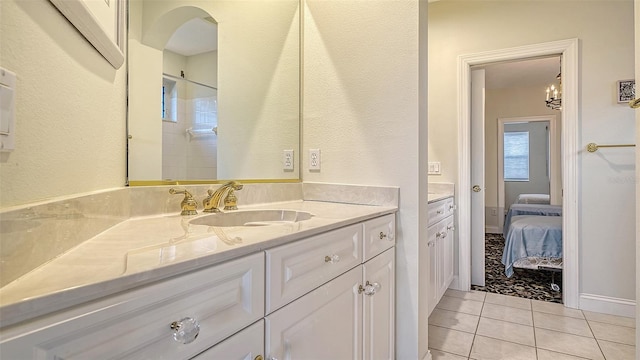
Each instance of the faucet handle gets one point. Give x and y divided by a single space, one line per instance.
188 204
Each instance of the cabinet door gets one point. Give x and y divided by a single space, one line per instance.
433 267
379 235
447 266
140 324
379 307
324 324
248 344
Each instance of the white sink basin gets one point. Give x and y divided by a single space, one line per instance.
252 218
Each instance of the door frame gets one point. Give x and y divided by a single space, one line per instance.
553 159
569 152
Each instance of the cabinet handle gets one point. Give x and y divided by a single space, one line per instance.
389 237
439 211
369 288
185 330
332 259
451 227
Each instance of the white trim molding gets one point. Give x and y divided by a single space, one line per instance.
608 305
570 151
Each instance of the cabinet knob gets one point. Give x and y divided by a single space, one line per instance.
451 227
439 211
185 330
369 288
382 235
332 258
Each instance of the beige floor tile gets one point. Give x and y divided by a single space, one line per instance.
511 301
568 344
610 319
562 323
554 308
441 355
467 295
615 333
506 313
460 305
615 351
451 341
507 331
552 355
454 320
485 348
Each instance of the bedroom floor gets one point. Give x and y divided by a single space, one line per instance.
525 283
480 325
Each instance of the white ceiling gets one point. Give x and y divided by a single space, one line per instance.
196 36
524 73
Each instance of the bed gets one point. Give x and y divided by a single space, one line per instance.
534 242
529 209
533 199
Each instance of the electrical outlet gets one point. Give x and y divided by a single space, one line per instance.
287 160
314 159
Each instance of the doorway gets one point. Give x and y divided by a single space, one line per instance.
569 53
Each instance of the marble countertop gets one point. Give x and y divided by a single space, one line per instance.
439 196
142 250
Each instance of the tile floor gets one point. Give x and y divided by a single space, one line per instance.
479 325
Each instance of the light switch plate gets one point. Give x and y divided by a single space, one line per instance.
7 110
434 168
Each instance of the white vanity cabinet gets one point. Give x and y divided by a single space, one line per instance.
350 316
440 242
145 323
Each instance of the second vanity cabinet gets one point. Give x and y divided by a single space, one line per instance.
441 248
316 298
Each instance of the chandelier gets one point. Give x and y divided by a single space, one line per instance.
554 95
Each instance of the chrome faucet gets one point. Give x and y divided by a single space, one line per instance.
188 204
212 202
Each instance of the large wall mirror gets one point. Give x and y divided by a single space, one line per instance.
214 90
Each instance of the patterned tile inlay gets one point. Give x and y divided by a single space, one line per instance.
525 283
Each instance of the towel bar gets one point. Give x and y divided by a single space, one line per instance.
593 147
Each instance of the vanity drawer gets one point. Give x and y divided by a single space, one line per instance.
379 235
138 324
440 209
297 268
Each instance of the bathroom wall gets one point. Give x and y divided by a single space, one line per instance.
607 178
365 109
70 108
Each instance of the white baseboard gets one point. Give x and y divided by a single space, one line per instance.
608 305
492 230
455 284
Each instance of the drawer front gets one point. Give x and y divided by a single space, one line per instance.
379 235
248 344
138 324
439 210
297 268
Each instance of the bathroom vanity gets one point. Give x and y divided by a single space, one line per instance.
441 245
322 286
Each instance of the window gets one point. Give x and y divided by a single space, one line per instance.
516 156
